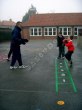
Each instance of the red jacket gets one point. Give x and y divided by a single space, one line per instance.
70 45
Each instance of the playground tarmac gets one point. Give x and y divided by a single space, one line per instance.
34 88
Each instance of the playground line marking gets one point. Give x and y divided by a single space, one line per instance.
63 75
70 77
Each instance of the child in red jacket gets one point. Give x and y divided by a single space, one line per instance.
69 44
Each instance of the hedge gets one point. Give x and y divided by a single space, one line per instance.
5 34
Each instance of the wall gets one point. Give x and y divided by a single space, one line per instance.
26 35
79 40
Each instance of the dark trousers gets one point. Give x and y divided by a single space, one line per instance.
10 52
68 55
16 56
61 51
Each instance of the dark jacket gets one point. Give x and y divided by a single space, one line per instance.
16 40
16 36
60 41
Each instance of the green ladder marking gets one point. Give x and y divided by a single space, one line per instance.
56 72
70 76
68 73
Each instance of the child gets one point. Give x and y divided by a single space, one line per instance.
69 44
61 46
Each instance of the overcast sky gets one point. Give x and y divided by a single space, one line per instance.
16 9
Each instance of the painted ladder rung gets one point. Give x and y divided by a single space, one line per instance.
65 83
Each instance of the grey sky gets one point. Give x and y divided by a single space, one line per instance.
16 9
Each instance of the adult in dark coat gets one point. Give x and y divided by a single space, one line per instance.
61 45
15 45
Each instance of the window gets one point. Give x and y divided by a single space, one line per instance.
45 31
40 31
35 31
75 31
31 32
65 30
61 30
70 31
54 31
50 31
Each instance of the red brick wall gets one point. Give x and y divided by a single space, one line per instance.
25 33
41 37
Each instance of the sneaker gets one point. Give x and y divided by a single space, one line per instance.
8 60
63 57
22 66
13 67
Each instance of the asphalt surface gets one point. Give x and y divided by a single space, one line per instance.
34 88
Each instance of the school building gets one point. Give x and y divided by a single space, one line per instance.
43 26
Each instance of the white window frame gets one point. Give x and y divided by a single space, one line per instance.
37 31
78 27
63 30
76 31
49 31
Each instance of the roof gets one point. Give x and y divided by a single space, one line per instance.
54 19
7 23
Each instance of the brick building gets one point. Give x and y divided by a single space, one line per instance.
42 26
7 24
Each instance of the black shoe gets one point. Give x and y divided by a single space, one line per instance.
58 57
71 62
